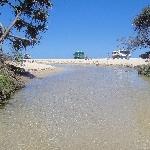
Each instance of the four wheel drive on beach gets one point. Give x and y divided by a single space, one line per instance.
121 54
146 55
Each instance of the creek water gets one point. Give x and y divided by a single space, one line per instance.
81 108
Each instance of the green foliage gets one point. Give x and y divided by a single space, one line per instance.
141 24
17 70
142 27
144 70
6 87
10 80
30 19
18 56
4 57
5 82
142 21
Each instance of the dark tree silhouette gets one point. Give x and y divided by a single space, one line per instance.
141 25
29 20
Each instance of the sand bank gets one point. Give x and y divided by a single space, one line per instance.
36 69
132 62
43 67
45 72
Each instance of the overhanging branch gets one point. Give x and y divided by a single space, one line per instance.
20 1
18 37
9 28
1 25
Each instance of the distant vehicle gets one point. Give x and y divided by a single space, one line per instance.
27 56
146 55
79 55
121 54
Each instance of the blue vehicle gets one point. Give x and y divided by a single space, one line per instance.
79 55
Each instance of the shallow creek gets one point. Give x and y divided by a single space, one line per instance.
81 108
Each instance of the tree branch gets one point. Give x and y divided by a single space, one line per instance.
20 1
9 3
9 28
17 37
2 27
1 24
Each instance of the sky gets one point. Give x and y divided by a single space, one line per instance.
92 26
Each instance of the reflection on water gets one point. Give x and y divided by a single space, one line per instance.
83 108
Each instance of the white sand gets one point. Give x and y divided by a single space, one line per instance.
31 65
44 66
39 70
132 62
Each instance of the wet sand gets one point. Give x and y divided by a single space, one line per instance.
45 72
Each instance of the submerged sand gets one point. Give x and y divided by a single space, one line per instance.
84 108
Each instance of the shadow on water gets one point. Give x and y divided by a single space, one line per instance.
3 104
28 75
147 79
8 101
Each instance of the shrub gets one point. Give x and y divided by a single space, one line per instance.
144 70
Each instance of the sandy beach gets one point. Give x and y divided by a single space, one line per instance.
39 70
133 62
43 67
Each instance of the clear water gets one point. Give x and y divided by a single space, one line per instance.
82 108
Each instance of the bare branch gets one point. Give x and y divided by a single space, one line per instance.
20 1
2 27
1 24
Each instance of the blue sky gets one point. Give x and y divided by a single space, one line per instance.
89 25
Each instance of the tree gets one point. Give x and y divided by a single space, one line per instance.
130 43
29 20
142 27
141 24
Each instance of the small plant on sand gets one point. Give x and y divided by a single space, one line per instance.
144 70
